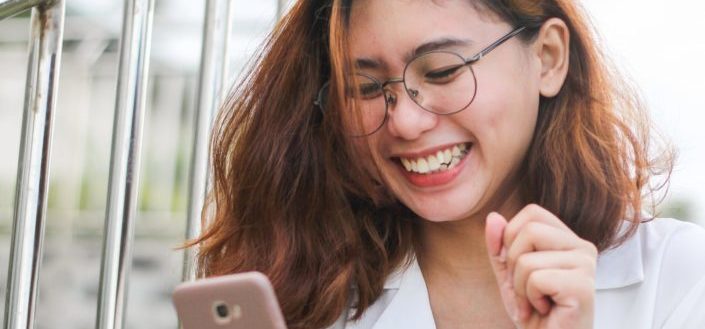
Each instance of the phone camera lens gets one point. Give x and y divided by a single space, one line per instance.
222 311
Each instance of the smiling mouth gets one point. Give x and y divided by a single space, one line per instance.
442 160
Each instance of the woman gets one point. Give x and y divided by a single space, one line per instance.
447 164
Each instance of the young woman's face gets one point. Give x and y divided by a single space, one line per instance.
495 130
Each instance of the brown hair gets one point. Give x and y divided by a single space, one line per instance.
290 198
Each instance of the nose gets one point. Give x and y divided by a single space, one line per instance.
407 119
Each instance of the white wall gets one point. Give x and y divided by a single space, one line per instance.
661 46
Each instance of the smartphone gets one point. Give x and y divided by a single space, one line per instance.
235 301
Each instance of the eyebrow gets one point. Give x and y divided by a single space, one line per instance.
437 44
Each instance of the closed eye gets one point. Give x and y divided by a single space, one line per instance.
443 73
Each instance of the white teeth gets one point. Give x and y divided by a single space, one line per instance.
433 163
422 166
406 164
441 161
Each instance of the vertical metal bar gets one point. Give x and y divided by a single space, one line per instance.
11 8
214 59
124 163
47 28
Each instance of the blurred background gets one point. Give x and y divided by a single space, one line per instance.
657 47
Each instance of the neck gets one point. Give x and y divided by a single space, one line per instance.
457 248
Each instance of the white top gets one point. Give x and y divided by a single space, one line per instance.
656 279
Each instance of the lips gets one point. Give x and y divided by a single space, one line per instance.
441 160
433 168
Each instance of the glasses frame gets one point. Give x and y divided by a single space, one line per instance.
390 98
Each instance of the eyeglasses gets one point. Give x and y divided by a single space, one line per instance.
442 82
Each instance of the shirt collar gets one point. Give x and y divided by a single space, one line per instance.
394 280
410 307
623 265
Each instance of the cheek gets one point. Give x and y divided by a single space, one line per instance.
504 115
508 95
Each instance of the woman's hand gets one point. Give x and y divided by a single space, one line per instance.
545 272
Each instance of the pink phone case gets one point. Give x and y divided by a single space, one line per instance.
236 301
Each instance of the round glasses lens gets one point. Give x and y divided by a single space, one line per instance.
440 82
365 104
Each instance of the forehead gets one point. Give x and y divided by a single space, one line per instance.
380 28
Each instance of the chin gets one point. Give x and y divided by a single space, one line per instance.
441 218
439 206
445 212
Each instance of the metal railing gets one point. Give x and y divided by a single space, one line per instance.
47 23
124 162
212 79
11 8
46 35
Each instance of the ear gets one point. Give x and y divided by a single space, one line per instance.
552 48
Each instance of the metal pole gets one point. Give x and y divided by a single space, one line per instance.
214 59
11 8
124 163
47 28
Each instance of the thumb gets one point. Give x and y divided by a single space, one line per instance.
494 233
494 238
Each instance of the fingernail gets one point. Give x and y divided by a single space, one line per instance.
492 214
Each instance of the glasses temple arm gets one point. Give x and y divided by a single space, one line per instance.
494 45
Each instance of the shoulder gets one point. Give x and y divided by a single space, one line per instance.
676 248
652 275
671 252
663 246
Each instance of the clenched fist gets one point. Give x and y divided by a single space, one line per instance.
545 272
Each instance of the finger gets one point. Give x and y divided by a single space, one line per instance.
531 213
524 307
537 236
564 288
494 229
540 260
